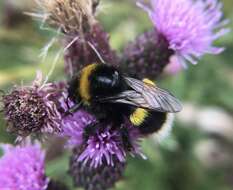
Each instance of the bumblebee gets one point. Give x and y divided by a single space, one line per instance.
105 92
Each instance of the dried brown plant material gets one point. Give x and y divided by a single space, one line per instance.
70 16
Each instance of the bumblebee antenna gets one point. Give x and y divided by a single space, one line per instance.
96 51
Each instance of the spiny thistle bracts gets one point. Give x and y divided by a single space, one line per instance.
101 178
93 47
147 56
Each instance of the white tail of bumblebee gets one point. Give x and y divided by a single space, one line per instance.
165 129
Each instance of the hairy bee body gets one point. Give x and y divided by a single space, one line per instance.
105 92
97 81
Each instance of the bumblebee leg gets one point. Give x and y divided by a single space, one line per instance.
72 109
125 138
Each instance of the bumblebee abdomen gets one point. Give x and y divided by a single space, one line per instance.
153 123
148 121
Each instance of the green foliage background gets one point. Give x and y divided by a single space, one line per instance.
171 165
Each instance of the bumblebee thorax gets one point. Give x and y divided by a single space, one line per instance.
98 81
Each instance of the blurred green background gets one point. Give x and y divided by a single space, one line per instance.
199 152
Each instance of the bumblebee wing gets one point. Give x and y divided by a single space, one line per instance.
130 97
147 96
155 98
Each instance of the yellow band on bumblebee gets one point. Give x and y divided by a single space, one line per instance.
148 81
85 83
138 116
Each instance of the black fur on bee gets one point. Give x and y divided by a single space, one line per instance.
110 96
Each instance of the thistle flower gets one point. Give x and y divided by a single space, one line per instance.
94 47
104 146
174 67
184 28
22 168
73 127
102 154
190 27
33 109
71 16
100 178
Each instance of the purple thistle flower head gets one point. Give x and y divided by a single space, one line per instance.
189 26
73 127
104 145
174 66
33 109
22 168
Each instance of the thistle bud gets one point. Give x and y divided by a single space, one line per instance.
93 47
146 56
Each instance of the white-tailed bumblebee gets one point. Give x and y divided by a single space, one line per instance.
105 92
